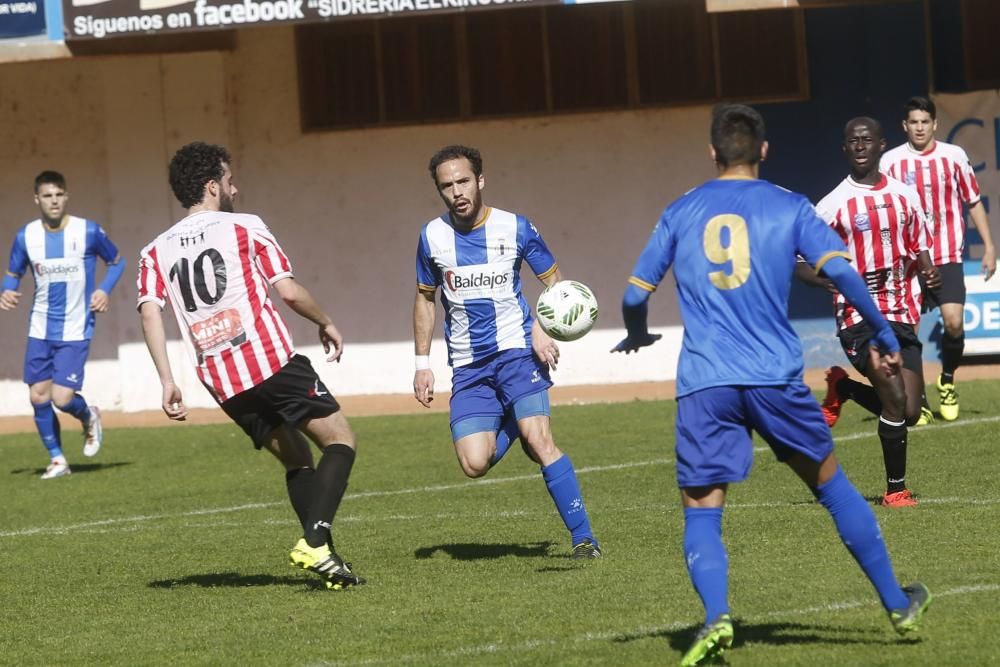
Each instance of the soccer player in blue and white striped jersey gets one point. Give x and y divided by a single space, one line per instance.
62 251
499 353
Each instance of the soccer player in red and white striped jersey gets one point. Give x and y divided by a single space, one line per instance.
944 179
215 268
884 227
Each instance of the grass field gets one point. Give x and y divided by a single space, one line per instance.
171 548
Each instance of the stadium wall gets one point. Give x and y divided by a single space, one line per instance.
347 205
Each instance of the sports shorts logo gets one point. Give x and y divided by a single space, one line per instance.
317 390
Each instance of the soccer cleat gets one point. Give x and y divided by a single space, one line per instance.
93 433
585 550
907 620
949 400
833 401
926 416
56 469
899 499
712 640
325 562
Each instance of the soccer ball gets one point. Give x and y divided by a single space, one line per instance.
567 310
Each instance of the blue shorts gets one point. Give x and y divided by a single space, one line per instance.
484 390
714 425
56 360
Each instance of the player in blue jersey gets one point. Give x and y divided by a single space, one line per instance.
499 353
733 244
62 251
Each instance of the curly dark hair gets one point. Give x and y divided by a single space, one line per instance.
454 152
192 167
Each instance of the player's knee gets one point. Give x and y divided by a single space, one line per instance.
954 327
39 397
474 466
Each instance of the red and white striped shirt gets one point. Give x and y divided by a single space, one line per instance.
885 229
943 178
215 269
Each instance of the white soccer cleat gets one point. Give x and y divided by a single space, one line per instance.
56 469
93 433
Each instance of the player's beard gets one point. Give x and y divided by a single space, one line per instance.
226 203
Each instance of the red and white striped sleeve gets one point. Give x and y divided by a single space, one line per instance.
918 224
149 282
268 257
968 186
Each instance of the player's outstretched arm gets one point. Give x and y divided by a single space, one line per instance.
156 342
635 305
302 302
806 274
543 346
423 330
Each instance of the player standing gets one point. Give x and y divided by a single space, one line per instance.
62 252
943 177
884 226
732 243
498 351
215 267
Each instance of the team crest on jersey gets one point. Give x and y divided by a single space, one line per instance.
861 222
910 177
886 237
500 246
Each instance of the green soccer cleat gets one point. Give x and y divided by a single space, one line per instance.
325 562
926 417
586 550
712 640
907 620
949 400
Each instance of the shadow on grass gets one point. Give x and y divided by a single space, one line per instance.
76 468
486 551
235 580
777 634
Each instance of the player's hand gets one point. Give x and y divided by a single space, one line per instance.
628 345
99 301
8 299
884 352
423 386
830 286
331 339
544 347
931 277
173 402
989 263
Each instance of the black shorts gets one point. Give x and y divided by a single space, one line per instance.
291 396
854 339
952 288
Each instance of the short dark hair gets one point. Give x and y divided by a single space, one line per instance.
49 177
873 125
192 167
919 103
737 134
454 152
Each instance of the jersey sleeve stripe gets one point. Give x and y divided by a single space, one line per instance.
641 284
426 288
830 255
549 272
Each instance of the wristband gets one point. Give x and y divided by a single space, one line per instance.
422 362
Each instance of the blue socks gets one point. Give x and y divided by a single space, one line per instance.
707 563
78 408
860 533
560 479
506 436
48 428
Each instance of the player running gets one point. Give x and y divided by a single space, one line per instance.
884 226
215 267
498 351
943 178
732 243
62 252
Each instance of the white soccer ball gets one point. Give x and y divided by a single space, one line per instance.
567 310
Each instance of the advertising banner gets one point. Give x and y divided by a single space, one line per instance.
99 19
20 18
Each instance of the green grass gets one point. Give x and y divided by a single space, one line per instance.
171 548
